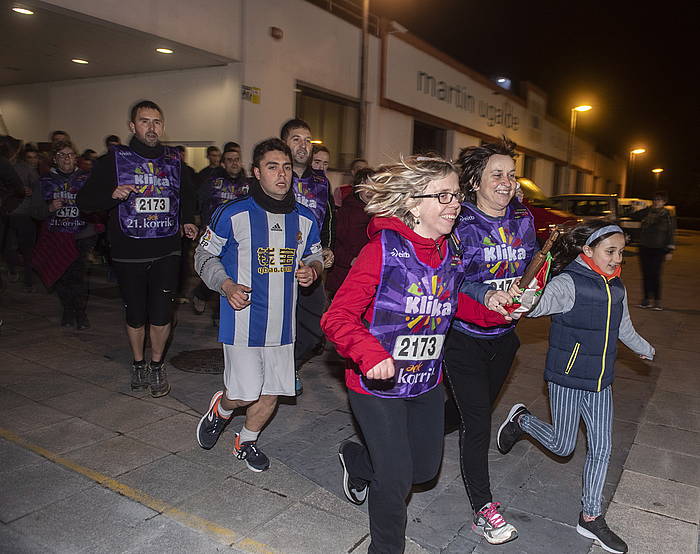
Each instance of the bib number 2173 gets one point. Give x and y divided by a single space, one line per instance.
418 347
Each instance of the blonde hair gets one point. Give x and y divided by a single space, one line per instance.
392 186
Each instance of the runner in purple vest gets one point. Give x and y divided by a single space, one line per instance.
390 317
66 239
151 203
311 189
498 241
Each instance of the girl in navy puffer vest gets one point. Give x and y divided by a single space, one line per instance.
588 305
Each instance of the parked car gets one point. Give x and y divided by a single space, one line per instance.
544 212
588 206
632 226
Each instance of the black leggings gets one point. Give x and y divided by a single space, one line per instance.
148 290
476 370
404 446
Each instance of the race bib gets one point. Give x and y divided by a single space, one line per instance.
502 284
152 204
67 211
418 347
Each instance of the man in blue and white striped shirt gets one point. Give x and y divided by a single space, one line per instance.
254 252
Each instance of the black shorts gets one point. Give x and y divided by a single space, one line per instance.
148 290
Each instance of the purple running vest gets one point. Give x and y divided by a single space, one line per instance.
154 211
311 190
224 189
56 186
413 309
495 251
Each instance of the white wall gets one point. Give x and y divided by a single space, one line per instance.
199 105
210 25
544 175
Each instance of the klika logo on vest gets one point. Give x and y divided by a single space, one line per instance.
150 180
427 304
503 256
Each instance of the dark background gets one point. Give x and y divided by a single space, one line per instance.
638 68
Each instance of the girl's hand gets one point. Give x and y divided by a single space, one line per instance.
383 370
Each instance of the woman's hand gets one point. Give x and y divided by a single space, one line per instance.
495 300
383 370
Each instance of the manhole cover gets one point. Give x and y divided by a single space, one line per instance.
209 360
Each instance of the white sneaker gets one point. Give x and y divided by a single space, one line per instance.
490 523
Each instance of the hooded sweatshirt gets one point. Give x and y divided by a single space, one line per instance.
353 304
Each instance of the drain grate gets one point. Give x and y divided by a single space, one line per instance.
209 360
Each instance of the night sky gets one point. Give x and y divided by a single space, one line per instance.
637 67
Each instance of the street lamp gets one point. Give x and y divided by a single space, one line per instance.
657 175
633 154
570 146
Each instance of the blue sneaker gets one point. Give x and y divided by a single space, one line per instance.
298 386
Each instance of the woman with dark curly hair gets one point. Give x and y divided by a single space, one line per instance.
498 241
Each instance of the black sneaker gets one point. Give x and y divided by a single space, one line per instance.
354 493
644 304
599 531
510 431
68 318
657 307
82 322
158 379
139 375
212 424
254 458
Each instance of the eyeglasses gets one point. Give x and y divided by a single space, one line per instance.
65 155
443 197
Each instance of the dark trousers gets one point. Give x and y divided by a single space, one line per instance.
72 286
311 303
651 261
403 439
476 370
21 236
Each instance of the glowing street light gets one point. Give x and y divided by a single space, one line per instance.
657 171
630 175
572 133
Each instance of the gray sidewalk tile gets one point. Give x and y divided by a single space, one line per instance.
28 417
664 464
219 458
641 531
660 496
173 479
303 529
29 488
283 481
669 438
115 456
10 399
80 402
328 502
675 410
54 385
123 414
94 520
14 542
236 505
14 457
67 435
173 434
163 535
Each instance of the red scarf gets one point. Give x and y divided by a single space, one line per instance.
590 263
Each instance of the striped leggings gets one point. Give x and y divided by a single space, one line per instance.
568 406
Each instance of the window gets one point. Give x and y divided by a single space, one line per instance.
334 121
529 167
428 139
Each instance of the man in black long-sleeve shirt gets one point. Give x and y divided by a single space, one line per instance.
150 201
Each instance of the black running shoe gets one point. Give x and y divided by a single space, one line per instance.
68 318
81 321
510 431
158 379
599 531
354 493
212 424
139 375
254 458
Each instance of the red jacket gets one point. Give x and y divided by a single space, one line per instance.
354 301
350 236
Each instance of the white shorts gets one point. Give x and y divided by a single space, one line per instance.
251 371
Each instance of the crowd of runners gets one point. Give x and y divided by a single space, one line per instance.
412 272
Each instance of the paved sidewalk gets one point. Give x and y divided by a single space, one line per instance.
88 466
